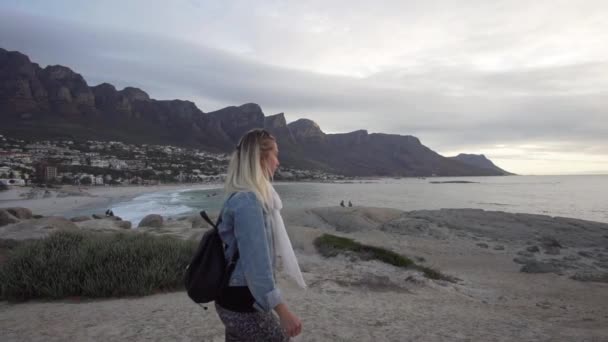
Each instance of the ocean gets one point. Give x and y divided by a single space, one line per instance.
583 197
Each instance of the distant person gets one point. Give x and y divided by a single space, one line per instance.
342 203
252 224
350 204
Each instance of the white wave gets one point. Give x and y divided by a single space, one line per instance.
164 204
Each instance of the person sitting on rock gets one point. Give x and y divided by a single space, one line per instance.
342 203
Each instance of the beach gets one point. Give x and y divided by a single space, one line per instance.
349 299
67 199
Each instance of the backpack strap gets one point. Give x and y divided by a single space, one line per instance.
205 217
208 220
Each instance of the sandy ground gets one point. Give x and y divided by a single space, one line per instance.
72 198
354 300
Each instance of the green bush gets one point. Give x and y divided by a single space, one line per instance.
87 264
331 245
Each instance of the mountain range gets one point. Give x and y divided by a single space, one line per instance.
56 102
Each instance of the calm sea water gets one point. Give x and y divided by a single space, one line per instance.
584 197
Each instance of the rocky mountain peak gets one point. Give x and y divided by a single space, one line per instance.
61 73
13 62
251 108
306 130
275 121
132 93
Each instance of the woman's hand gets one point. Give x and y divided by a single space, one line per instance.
290 323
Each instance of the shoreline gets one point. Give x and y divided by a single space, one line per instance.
72 200
76 201
68 200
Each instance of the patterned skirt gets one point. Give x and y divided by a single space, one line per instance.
251 326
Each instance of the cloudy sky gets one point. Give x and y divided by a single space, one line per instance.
523 82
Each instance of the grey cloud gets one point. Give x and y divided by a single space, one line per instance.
445 108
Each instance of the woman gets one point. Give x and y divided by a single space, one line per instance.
251 223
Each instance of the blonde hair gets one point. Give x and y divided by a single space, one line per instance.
245 171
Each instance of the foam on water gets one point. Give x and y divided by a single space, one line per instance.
165 203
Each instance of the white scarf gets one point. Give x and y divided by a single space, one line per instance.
286 258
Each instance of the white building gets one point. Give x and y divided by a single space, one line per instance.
117 164
100 163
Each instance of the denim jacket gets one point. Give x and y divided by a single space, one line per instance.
245 226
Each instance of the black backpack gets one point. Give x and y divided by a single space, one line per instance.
208 273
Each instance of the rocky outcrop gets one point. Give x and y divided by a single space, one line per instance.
7 218
306 131
235 121
277 126
152 220
20 213
80 218
134 94
480 161
36 228
68 93
21 90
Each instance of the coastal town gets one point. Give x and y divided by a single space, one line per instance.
116 163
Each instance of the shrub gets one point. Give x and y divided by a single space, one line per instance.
87 264
331 245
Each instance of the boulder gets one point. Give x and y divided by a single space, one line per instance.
123 224
98 217
152 220
20 213
7 218
36 228
80 218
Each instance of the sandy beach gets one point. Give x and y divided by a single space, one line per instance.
68 199
350 299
